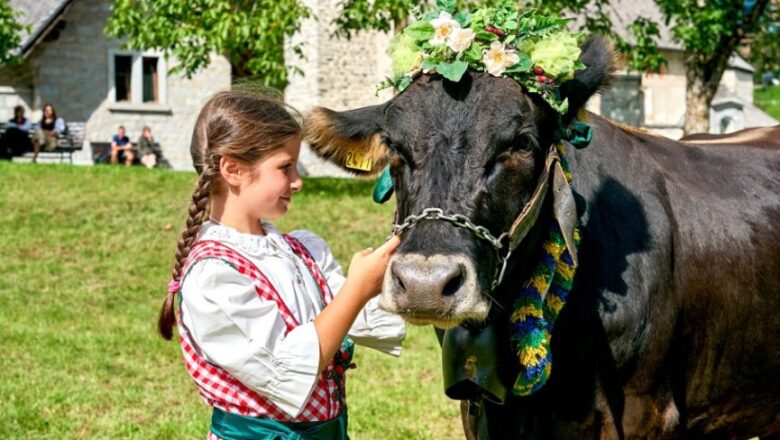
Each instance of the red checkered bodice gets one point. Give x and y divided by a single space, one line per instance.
218 388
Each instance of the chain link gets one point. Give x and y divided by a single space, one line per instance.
458 220
461 221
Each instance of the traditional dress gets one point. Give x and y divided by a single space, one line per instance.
247 306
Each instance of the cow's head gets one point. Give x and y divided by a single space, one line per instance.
477 148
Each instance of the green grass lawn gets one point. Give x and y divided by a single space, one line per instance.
768 99
85 256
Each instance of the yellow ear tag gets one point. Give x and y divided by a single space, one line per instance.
356 160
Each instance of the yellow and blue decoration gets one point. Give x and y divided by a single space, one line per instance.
537 307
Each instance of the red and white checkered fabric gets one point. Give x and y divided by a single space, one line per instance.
217 387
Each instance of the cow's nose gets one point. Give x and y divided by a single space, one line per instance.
430 281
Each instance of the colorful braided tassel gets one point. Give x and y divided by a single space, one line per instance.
537 307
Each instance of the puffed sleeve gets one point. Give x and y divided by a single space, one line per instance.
245 335
373 327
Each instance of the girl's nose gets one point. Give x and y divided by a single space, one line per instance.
297 182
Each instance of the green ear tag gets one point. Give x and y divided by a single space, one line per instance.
580 134
384 187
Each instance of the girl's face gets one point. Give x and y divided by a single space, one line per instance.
267 192
48 111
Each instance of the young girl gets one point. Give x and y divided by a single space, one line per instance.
261 325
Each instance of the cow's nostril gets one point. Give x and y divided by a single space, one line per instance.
453 284
397 277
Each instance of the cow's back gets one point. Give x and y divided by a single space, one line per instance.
680 261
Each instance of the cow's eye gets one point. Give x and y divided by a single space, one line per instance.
399 155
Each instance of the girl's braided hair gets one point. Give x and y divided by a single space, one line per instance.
238 124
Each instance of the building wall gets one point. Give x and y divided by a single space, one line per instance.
339 74
72 73
16 88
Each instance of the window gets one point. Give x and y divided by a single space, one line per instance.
137 80
624 101
123 72
151 91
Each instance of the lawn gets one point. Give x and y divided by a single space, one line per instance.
86 256
768 99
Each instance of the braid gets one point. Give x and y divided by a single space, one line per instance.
232 124
196 214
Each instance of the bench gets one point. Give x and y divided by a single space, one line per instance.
101 154
68 142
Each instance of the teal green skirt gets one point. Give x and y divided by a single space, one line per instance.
230 426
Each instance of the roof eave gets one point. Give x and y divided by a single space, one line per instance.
44 30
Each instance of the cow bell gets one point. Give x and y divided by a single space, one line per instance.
469 364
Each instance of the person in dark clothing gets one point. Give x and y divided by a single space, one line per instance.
48 130
121 148
16 139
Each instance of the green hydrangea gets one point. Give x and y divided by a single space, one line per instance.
557 54
405 54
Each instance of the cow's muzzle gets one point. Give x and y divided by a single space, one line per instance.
439 289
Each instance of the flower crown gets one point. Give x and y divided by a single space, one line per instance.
535 50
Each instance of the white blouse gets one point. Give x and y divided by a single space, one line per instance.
244 334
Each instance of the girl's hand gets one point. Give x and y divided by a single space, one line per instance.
367 269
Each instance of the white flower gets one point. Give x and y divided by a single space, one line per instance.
460 39
442 28
498 58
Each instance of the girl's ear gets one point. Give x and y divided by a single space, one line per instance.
232 171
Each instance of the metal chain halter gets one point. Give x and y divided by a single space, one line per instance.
461 221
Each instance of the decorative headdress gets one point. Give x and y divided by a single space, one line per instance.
535 50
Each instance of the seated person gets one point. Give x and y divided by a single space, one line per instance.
121 148
16 139
149 150
48 130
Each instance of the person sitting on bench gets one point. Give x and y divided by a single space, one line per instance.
16 139
50 127
121 148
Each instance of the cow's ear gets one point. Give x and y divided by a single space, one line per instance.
350 139
599 57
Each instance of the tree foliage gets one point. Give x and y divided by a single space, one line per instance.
765 42
251 34
10 33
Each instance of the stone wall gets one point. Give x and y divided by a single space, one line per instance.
339 74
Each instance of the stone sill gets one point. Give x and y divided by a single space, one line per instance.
124 107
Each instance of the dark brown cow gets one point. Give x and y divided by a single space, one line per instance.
672 329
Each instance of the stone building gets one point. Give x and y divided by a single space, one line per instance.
656 101
69 62
343 74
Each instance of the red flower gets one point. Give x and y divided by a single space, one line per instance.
494 30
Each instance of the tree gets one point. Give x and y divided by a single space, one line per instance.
765 44
10 33
708 30
250 34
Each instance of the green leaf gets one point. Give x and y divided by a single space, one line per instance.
485 36
446 5
428 65
420 30
473 54
404 83
463 19
452 71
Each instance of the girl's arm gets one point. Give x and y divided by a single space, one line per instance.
373 328
364 281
